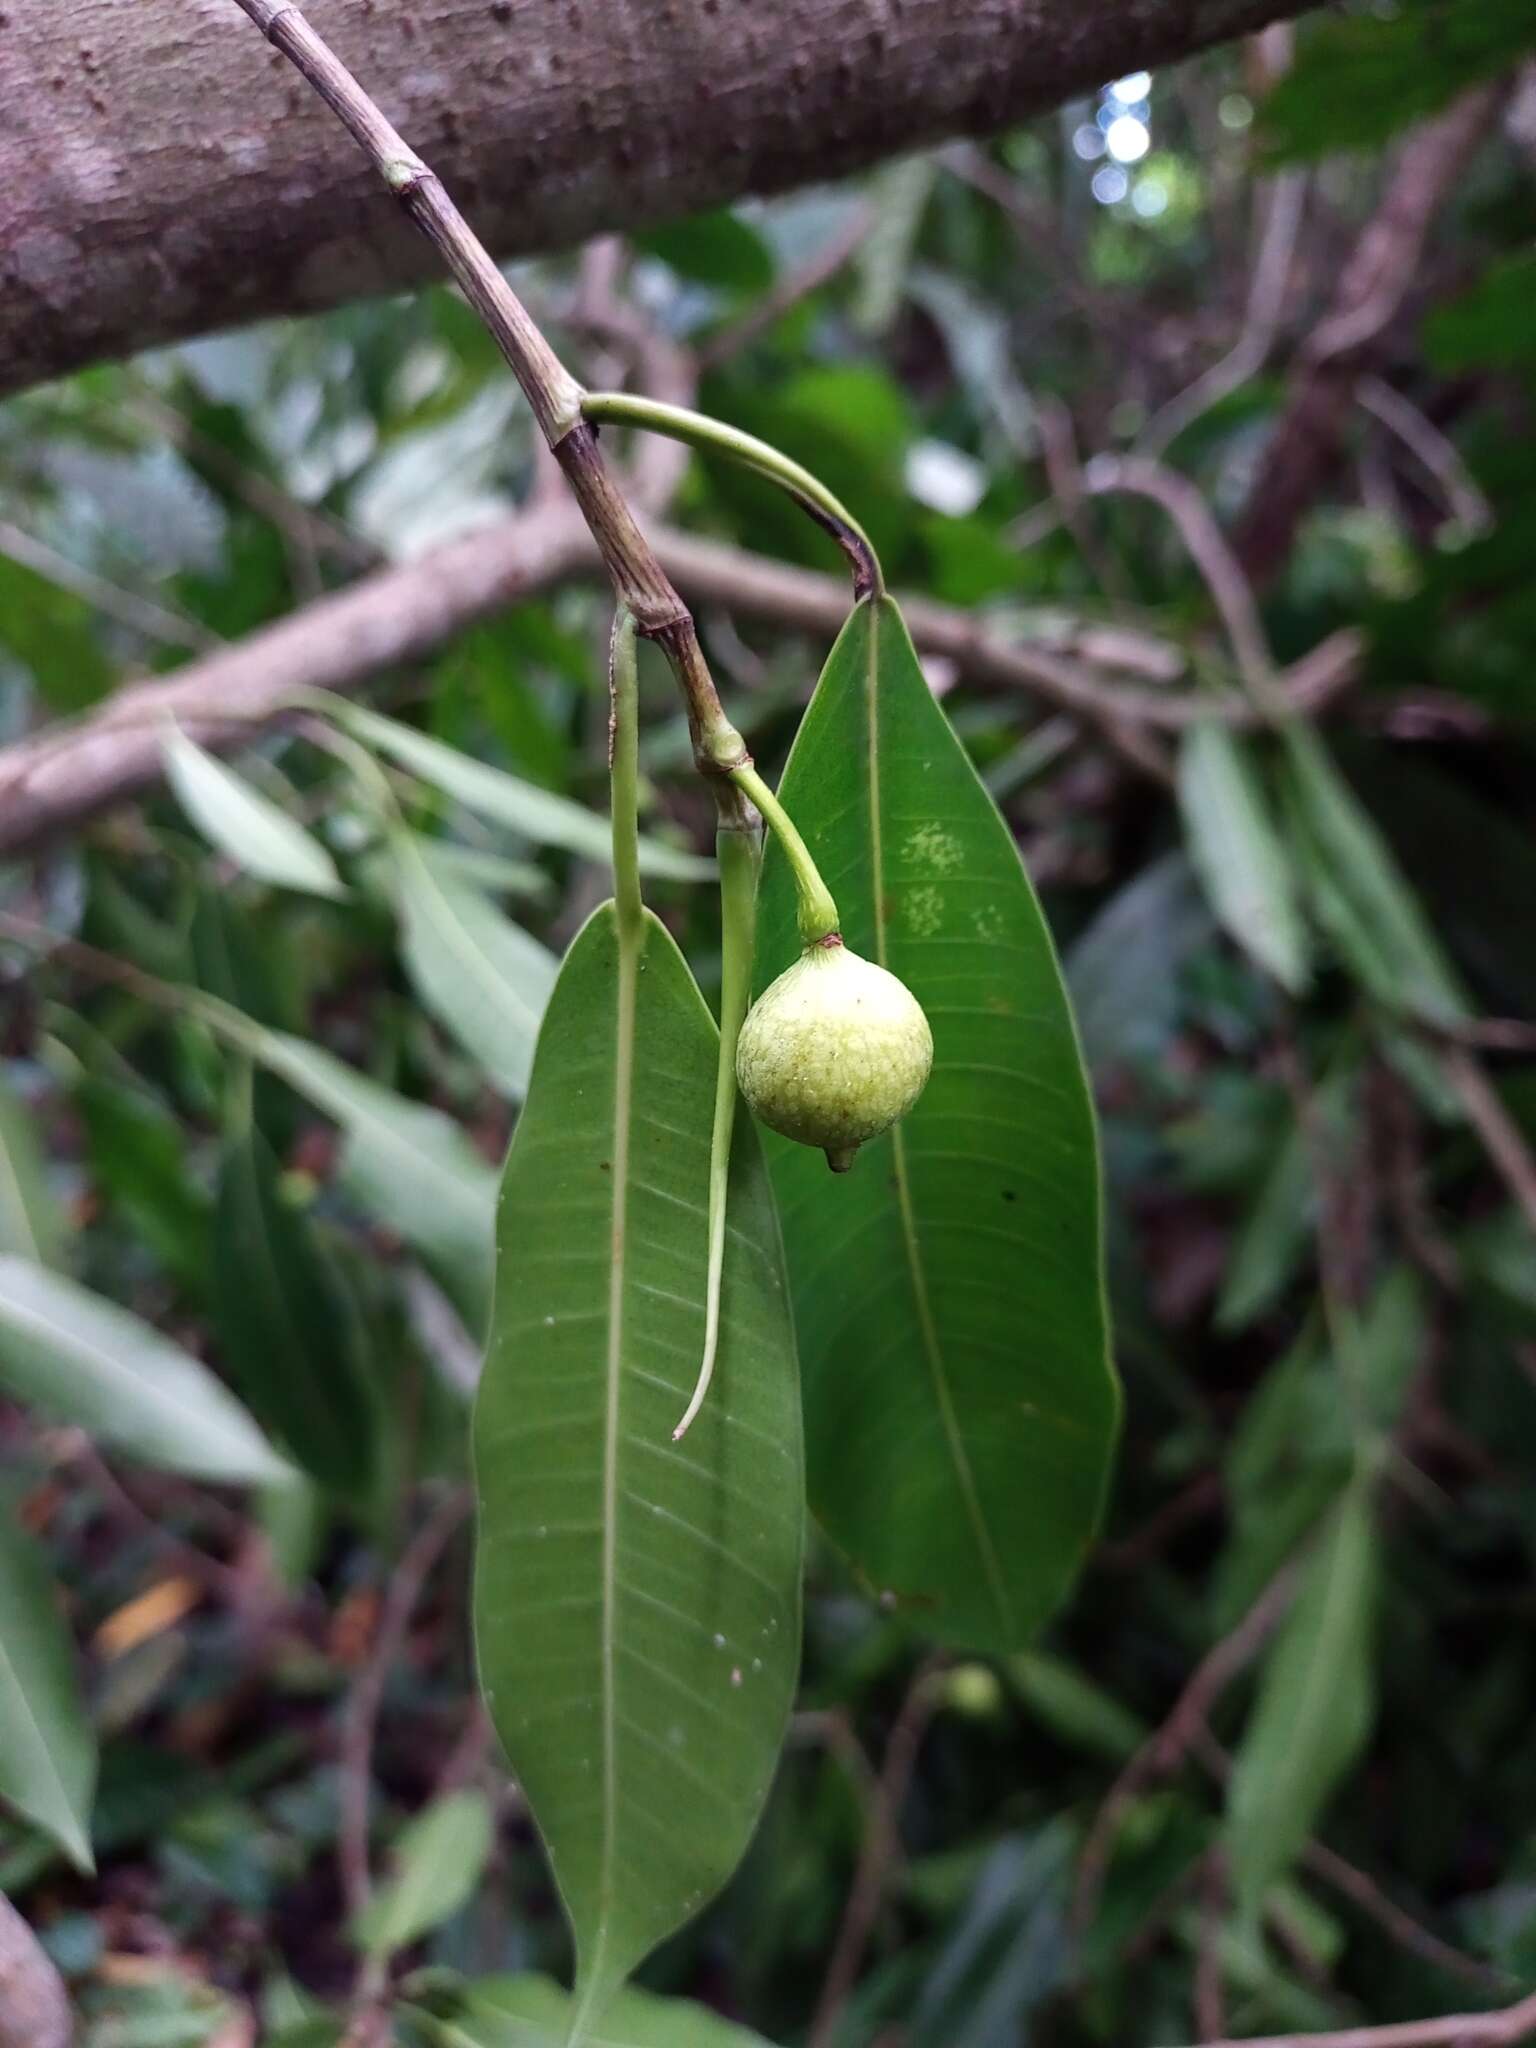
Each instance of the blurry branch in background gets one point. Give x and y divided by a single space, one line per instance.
1279 203
1363 1892
34 2009
1167 1746
142 614
1283 201
1453 2030
355 1763
1434 451
1207 548
880 1850
819 268
1373 288
55 780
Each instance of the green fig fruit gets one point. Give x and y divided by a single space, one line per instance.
834 1051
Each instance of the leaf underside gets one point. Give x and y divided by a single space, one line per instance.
636 1600
47 1748
960 1406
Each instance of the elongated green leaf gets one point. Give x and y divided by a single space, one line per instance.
1358 893
531 2012
47 1748
31 1222
538 814
91 1363
1273 1239
290 1335
255 833
960 1407
407 1164
636 1600
139 1155
1239 854
439 1858
1078 1712
1314 1709
483 977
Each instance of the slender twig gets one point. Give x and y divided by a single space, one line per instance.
1362 1890
819 268
880 1850
1501 1137
1438 455
1282 201
1373 286
1207 548
355 1763
126 606
318 531
1164 1749
640 583
1210 1991
1454 2030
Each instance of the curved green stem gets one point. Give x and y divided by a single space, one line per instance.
818 912
624 775
737 850
698 430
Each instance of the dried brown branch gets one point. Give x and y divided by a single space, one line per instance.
356 1759
34 2008
1210 1991
879 1853
1282 202
1438 456
1453 2030
142 614
1499 1134
1206 546
1373 288
54 781
1165 1748
819 268
1362 1890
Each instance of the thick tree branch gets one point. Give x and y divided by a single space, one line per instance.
58 779
34 2011
157 181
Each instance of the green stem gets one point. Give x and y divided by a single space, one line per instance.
624 773
698 430
738 855
818 912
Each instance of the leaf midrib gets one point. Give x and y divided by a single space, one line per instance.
629 946
928 1328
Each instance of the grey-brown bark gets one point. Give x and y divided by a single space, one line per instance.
163 172
34 2011
57 779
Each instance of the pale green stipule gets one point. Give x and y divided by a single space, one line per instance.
738 856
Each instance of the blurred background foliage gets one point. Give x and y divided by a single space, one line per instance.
1272 1770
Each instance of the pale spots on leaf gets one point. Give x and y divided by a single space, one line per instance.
923 910
931 847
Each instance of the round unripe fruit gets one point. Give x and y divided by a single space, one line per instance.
834 1051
